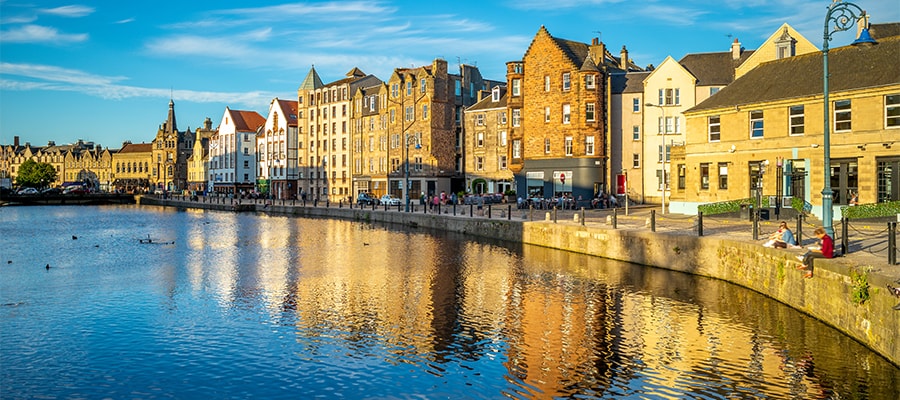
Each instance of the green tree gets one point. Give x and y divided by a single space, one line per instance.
35 174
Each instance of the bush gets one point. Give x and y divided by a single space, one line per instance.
876 210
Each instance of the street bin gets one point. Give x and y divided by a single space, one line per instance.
763 214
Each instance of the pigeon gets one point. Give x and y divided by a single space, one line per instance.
74 237
9 261
47 267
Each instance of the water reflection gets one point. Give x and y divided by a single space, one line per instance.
249 305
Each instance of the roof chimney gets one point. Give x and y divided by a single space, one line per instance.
623 58
736 50
16 141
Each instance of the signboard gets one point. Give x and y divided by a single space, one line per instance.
621 183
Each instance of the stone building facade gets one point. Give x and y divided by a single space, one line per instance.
198 161
80 163
487 144
171 148
131 166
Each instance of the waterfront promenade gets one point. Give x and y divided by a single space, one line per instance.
726 251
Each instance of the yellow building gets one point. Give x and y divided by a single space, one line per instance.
765 131
487 145
132 167
81 162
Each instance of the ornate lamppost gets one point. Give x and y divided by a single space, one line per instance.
843 16
410 139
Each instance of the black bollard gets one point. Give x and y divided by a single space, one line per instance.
489 211
755 214
892 243
582 216
509 212
615 218
799 229
700 223
845 241
652 220
471 208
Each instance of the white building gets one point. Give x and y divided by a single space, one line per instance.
276 149
232 152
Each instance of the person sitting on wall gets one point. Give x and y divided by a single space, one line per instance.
781 238
825 249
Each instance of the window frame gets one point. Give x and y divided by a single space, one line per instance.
704 176
566 81
723 178
589 145
569 146
892 111
635 160
796 128
546 145
757 124
842 116
566 113
714 128
589 113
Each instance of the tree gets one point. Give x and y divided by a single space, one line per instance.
35 174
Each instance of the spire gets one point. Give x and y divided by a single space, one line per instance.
171 127
312 80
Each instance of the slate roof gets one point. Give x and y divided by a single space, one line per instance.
632 82
312 80
713 69
882 31
487 102
801 76
137 148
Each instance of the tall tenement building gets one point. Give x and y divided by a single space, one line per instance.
558 116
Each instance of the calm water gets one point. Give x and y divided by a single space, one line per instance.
252 306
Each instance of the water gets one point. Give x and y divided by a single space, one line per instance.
235 306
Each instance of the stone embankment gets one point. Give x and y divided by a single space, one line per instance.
832 295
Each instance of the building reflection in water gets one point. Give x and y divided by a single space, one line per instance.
559 323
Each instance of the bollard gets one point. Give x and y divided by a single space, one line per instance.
799 229
652 220
489 211
454 209
471 208
509 213
582 216
845 241
892 243
615 218
755 216
700 223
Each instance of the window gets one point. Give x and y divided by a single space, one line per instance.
409 88
516 117
410 114
796 120
501 162
425 112
495 94
395 91
546 83
517 148
589 112
566 113
714 128
547 145
568 145
756 124
479 141
246 164
844 179
713 90
636 105
516 87
636 132
479 163
502 138
664 151
723 175
567 81
546 114
636 160
589 145
501 118
458 89
892 111
669 125
704 176
246 151
422 85
842 115
682 172
589 81
479 119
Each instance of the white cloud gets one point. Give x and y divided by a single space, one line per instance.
52 78
73 11
39 34
125 21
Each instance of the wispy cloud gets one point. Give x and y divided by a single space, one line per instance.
558 4
125 21
73 11
39 34
52 78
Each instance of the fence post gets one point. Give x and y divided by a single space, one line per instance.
800 229
489 211
471 208
554 214
509 212
892 243
652 220
845 241
454 209
699 223
582 216
615 218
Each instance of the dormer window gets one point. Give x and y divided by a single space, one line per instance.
785 46
495 94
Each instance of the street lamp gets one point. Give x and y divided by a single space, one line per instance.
410 138
844 16
665 128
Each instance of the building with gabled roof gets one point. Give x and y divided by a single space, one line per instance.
278 171
324 119
131 167
487 144
762 135
232 152
198 161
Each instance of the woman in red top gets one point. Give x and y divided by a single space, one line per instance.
825 250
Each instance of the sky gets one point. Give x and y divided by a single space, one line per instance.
104 71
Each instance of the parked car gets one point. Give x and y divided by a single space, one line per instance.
51 191
390 200
364 199
75 190
27 190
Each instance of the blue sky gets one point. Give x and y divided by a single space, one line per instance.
104 71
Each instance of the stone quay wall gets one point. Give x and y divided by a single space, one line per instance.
828 296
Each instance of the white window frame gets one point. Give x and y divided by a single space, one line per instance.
635 132
479 119
546 83
566 81
892 111
502 139
589 114
589 81
796 121
516 87
547 145
843 117
569 146
714 127
516 117
479 139
635 160
566 113
517 148
546 114
757 124
589 145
